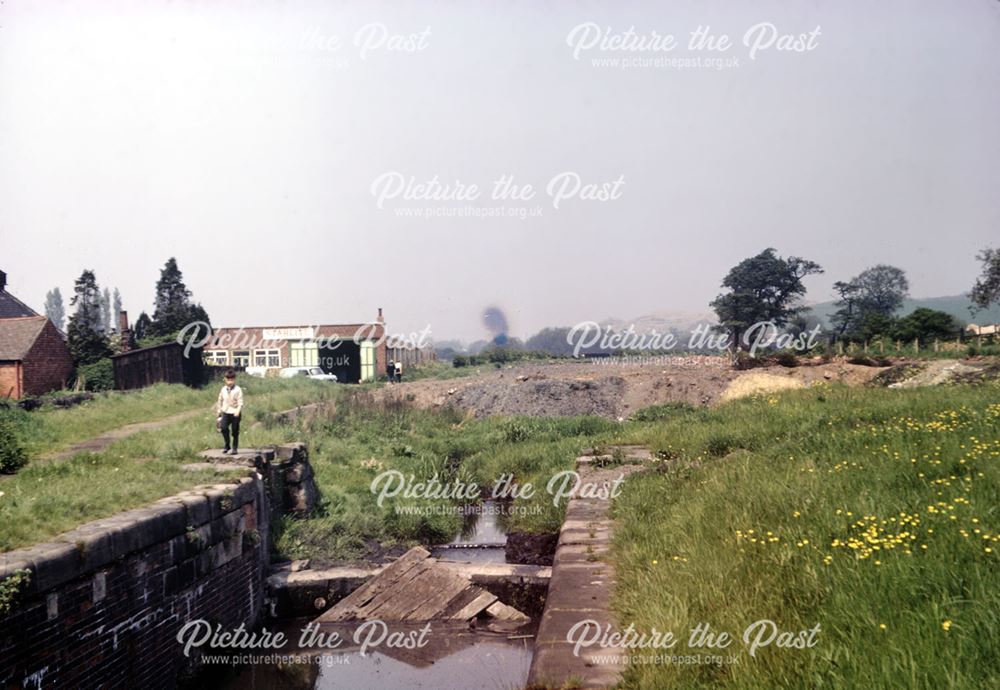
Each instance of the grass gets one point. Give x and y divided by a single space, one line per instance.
50 429
364 438
873 513
46 498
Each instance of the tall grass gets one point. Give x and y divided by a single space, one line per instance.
873 513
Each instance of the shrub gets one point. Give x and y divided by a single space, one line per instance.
745 360
12 455
99 376
11 588
787 359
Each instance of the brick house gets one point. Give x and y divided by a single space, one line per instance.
34 358
353 352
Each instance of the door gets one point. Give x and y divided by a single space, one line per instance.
367 360
342 359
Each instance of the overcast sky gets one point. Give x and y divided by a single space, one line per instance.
252 141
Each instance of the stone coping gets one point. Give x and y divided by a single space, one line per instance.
96 544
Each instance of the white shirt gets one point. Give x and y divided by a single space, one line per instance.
230 400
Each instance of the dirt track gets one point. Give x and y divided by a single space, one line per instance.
606 388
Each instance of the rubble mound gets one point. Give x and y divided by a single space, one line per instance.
543 398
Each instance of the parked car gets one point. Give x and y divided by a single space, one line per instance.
310 372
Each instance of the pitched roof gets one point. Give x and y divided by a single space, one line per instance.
11 307
18 335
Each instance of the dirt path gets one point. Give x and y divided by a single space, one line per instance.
99 443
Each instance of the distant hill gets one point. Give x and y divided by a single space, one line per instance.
958 306
663 321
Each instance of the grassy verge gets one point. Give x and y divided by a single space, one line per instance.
873 513
51 429
46 498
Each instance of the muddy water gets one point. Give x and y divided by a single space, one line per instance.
454 658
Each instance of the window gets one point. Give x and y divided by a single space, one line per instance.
267 358
217 358
241 358
303 354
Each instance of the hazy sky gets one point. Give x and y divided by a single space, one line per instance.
245 139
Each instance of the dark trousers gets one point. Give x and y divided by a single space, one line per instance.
231 420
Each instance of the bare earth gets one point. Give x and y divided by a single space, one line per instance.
613 389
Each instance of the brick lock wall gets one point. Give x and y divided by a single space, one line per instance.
48 364
107 600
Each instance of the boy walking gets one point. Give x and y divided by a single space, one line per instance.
229 407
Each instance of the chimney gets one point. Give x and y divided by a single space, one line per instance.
123 331
3 283
380 319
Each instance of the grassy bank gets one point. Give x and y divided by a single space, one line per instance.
46 498
873 513
363 439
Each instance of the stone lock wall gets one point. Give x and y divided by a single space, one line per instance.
105 601
292 480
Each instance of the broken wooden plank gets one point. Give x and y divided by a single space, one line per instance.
474 607
438 590
501 611
348 607
390 592
418 588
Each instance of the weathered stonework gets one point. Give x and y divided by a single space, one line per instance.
531 548
299 492
286 471
106 600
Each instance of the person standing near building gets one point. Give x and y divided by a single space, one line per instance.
399 371
229 408
390 371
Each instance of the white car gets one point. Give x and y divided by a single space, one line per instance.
309 372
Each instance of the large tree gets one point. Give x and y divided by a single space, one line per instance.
986 291
869 301
54 309
87 343
764 288
173 306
